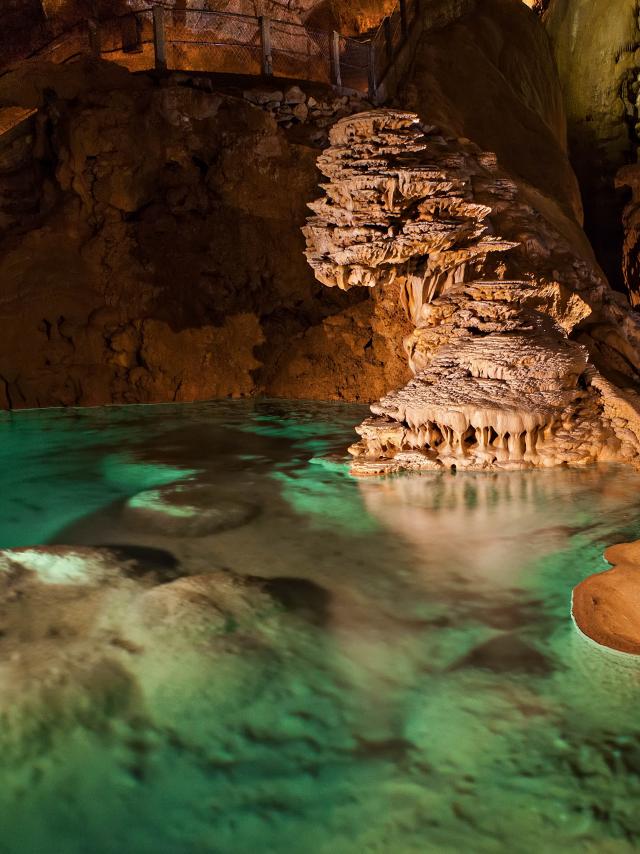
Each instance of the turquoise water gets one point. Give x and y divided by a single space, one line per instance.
379 665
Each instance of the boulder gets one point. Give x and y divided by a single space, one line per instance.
301 112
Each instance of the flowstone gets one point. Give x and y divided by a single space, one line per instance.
606 607
522 356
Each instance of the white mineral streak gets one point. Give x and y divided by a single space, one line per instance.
58 565
497 381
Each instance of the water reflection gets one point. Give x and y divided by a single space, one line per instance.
489 527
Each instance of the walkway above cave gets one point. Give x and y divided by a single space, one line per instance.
215 42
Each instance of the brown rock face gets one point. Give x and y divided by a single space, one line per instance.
490 77
629 177
595 45
494 291
606 606
159 256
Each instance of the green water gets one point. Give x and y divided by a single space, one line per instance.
408 681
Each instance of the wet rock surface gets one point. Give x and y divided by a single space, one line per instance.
595 46
606 606
628 179
187 510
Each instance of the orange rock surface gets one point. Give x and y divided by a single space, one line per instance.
606 607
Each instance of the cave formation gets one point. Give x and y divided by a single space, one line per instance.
212 637
454 239
121 199
496 294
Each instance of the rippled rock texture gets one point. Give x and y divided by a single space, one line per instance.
512 325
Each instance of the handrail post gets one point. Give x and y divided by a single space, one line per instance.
404 26
388 38
373 86
335 59
265 40
159 41
94 38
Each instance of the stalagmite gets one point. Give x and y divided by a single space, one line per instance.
498 381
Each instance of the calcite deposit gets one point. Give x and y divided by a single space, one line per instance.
606 607
515 334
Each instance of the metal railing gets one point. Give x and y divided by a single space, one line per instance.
391 36
202 40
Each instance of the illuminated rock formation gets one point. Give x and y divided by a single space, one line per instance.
147 296
398 205
606 607
497 380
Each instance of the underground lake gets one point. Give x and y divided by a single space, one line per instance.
214 639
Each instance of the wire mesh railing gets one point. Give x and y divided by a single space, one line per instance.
203 40
211 41
300 53
355 59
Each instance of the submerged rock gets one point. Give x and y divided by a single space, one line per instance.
58 565
606 607
298 596
82 566
507 653
88 638
188 511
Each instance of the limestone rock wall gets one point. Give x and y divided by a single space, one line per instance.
490 77
595 44
628 179
164 260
